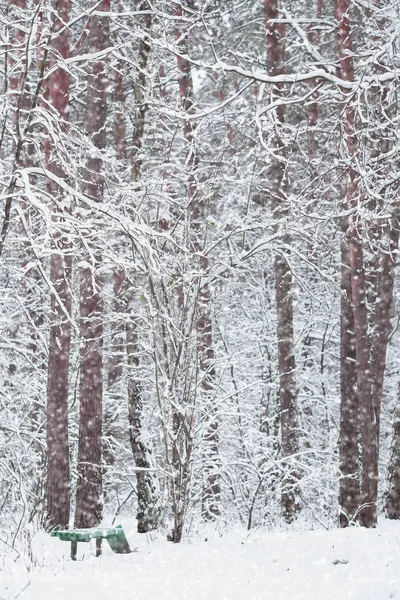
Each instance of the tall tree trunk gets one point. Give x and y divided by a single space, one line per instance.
366 410
89 484
114 366
197 214
354 340
275 44
392 496
349 487
58 471
148 505
368 425
384 311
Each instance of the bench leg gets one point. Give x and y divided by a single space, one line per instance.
98 546
74 547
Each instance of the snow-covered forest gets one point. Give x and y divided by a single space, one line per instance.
198 238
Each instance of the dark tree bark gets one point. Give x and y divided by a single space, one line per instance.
370 350
89 484
275 44
58 470
392 496
349 488
17 70
385 295
368 426
352 258
140 102
148 506
383 311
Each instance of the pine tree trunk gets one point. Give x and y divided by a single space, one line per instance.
349 493
368 428
89 484
369 431
58 470
380 339
275 44
392 496
287 383
383 311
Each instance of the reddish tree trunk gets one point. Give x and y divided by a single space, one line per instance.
368 429
383 312
89 484
275 45
366 410
349 430
58 471
392 496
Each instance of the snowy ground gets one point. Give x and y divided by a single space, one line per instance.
318 565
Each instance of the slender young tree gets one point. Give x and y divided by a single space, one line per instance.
384 311
58 470
17 71
89 484
197 215
148 505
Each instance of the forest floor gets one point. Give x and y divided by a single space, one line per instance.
312 565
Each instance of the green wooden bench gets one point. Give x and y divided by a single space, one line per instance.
115 536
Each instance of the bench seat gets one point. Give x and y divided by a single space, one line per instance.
115 536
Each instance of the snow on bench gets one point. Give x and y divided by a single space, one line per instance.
115 536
